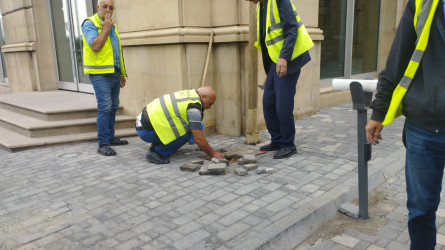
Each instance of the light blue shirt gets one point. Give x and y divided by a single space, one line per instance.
90 32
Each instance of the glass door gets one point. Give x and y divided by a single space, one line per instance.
350 45
67 17
3 74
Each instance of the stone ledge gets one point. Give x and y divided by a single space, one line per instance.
329 97
19 47
237 33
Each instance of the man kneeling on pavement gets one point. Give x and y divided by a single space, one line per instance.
171 120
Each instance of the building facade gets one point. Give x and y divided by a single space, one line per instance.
166 47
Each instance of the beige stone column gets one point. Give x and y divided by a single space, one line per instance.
252 134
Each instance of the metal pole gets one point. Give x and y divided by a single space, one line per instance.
361 101
362 165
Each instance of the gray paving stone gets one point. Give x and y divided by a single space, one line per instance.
241 171
250 166
109 243
191 239
233 231
397 246
216 168
190 167
143 205
197 161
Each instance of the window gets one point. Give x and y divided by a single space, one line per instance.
351 33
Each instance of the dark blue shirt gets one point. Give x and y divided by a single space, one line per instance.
90 32
443 2
290 31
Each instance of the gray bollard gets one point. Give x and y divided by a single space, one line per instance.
361 93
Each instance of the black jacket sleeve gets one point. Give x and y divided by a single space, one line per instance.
399 56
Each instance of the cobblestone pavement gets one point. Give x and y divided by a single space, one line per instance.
69 197
385 229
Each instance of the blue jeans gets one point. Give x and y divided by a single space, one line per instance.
106 88
165 150
278 107
425 160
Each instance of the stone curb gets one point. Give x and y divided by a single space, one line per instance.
291 230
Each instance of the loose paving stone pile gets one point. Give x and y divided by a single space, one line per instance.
217 166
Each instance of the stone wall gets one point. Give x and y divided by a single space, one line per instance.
166 51
29 53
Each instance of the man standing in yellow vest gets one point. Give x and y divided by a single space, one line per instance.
284 43
103 61
171 120
413 84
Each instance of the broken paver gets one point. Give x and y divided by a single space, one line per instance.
249 158
190 167
241 171
198 161
250 166
216 160
217 168
204 171
263 170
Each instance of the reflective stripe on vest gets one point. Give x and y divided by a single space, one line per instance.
101 62
168 114
425 10
274 33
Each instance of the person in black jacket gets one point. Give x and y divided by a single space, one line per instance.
284 44
416 65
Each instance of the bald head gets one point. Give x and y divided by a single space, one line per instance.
208 96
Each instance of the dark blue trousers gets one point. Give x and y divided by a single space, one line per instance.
425 162
278 106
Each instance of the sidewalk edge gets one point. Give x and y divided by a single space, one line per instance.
293 229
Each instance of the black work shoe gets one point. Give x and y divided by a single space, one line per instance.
155 157
106 150
270 147
285 152
152 148
118 142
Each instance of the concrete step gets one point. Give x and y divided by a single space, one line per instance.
52 105
30 119
330 97
14 142
35 128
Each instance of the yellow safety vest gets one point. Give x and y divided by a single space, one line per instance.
168 114
101 62
422 24
275 36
